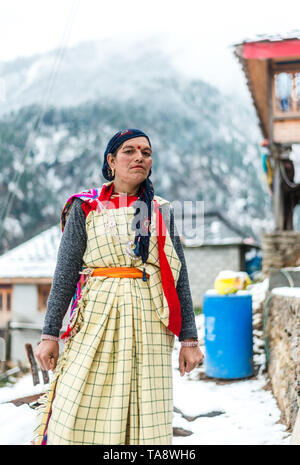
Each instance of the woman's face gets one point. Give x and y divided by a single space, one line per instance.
133 161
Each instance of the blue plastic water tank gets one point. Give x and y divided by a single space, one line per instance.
228 335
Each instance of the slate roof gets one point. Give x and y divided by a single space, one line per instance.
35 258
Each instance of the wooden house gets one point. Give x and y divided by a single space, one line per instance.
272 68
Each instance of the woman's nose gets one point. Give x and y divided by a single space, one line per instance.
138 155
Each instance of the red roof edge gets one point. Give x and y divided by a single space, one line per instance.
276 49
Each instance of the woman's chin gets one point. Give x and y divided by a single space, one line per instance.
138 177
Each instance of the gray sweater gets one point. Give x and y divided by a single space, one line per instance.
70 261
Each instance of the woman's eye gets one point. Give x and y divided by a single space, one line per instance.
147 154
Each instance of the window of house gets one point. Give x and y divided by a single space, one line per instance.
287 92
5 297
43 294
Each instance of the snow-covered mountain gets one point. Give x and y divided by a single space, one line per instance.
62 107
92 70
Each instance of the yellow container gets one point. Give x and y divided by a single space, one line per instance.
228 282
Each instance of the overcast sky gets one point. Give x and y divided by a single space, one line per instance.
198 34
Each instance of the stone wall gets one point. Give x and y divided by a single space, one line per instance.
283 337
280 249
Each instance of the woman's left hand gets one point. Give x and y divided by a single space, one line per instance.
189 358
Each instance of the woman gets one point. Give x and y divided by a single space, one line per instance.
120 255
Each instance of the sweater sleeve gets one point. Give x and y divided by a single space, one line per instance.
69 263
188 327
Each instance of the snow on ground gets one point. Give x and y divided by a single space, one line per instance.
250 413
286 291
24 387
18 423
249 418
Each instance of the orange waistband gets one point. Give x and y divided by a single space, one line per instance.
119 272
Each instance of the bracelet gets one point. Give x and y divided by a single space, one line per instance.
49 337
189 343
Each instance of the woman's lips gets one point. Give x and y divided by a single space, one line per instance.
138 166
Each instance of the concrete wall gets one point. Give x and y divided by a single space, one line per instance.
205 262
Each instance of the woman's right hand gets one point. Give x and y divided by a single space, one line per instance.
47 353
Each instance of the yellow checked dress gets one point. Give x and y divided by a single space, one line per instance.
113 381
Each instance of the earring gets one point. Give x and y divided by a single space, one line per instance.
111 172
